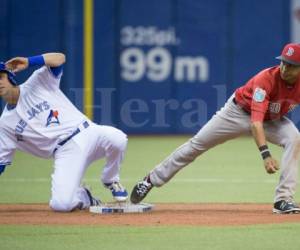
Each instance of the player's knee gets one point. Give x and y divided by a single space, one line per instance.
191 153
296 143
118 140
294 140
187 152
61 205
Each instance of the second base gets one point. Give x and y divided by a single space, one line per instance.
109 208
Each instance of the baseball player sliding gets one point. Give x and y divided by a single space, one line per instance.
40 120
258 108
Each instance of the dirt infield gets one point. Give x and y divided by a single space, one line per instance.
163 214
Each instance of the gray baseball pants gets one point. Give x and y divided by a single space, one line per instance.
228 123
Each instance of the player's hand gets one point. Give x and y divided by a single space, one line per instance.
17 64
271 165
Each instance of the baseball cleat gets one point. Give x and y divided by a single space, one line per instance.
93 201
117 190
140 190
286 207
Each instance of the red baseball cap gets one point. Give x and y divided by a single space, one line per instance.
290 54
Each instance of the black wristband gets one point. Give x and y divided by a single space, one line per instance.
264 151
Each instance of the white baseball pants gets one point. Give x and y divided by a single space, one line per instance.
228 123
73 158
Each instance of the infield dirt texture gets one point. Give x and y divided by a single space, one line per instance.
163 214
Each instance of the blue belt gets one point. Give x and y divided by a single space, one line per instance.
78 130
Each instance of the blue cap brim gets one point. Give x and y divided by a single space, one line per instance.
11 75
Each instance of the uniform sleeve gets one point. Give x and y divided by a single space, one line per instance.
45 77
57 71
7 149
261 96
2 168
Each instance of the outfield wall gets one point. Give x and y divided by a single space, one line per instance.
156 66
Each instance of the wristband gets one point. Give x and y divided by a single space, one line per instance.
264 151
36 61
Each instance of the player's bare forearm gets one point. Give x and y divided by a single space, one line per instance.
54 59
258 133
18 64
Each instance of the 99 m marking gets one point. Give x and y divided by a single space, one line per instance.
157 63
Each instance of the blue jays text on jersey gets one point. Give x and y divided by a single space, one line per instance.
37 109
20 129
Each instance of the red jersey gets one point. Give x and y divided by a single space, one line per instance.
267 97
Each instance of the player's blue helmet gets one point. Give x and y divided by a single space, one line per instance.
10 74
